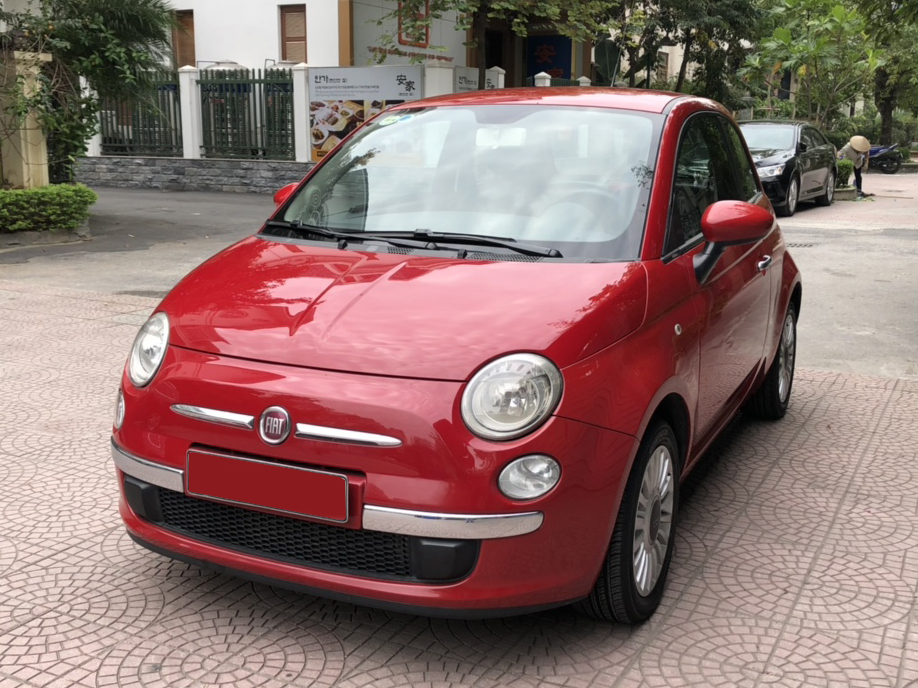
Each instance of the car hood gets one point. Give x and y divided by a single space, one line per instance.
762 157
397 315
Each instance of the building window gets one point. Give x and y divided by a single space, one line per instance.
422 41
183 39
662 66
293 33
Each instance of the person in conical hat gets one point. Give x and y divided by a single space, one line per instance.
856 151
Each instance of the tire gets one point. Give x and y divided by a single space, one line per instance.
829 194
770 401
630 584
793 195
890 165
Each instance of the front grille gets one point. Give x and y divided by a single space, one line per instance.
360 552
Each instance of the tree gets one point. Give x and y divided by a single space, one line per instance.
895 32
715 34
825 45
581 21
114 46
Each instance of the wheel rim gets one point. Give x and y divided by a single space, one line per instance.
653 523
830 189
787 352
792 196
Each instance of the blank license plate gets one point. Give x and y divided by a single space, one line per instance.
251 482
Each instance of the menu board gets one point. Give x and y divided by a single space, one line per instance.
466 79
343 98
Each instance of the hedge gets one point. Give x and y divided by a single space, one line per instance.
47 209
845 170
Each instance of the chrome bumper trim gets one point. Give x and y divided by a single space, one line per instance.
304 431
153 473
450 526
234 420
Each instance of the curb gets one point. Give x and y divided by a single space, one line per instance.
15 240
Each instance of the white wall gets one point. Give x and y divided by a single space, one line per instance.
248 31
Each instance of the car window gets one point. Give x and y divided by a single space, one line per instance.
768 136
806 136
817 137
748 179
704 175
575 179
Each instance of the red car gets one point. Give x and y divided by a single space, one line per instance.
467 363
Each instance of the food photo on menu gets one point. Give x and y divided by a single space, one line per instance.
332 120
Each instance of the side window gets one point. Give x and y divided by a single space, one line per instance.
704 175
809 137
748 178
818 138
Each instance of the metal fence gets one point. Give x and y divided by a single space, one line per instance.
149 129
247 114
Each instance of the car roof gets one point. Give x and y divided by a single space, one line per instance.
583 96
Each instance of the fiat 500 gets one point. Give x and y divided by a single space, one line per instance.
465 366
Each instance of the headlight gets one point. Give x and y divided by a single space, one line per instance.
529 477
148 350
511 396
771 171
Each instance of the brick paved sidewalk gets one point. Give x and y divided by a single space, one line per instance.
796 562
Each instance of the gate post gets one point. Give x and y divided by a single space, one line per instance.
301 137
542 79
190 98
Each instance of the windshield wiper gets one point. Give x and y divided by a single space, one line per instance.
344 237
478 239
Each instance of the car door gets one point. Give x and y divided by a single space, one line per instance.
826 155
734 301
812 177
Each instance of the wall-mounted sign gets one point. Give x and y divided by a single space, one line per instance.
466 79
343 98
549 54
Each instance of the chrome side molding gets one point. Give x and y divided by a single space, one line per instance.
304 431
450 526
234 420
153 473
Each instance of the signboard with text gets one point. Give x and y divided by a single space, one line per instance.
343 98
466 79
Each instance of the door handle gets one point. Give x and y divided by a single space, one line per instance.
764 264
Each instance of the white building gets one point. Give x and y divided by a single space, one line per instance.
322 33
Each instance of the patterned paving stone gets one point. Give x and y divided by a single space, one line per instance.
796 563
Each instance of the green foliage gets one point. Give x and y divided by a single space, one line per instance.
48 209
845 170
116 46
825 44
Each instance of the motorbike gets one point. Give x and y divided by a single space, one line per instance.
887 159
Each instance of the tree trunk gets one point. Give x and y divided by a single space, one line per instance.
683 68
481 26
885 97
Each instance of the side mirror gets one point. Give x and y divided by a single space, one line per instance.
728 223
801 147
284 193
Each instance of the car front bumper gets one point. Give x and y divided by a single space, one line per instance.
428 529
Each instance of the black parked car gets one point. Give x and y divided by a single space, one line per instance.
795 162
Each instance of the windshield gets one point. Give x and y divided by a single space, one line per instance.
572 179
769 136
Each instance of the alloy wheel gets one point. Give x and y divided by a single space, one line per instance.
653 522
787 354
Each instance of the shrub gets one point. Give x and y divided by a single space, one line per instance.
845 170
47 209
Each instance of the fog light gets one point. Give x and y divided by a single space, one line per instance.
119 410
529 477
